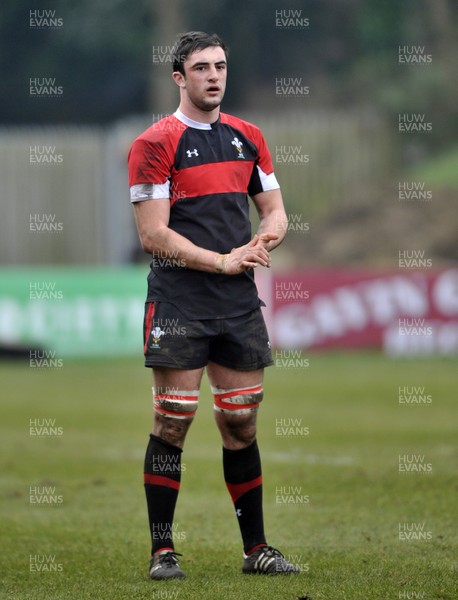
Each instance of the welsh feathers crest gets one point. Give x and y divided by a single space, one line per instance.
238 144
156 335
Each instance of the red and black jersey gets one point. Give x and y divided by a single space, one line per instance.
207 171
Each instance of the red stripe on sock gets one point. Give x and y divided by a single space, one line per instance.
160 480
165 549
236 490
255 548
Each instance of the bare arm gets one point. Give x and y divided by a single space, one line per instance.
274 222
152 219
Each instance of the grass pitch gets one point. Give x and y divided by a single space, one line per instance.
335 500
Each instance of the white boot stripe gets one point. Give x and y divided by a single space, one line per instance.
265 562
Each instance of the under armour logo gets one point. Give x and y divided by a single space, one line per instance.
192 153
238 512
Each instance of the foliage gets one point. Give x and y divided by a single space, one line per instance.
347 55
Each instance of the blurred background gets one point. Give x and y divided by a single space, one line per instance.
357 100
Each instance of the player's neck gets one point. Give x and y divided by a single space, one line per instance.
200 116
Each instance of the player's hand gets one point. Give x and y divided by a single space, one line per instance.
249 256
265 238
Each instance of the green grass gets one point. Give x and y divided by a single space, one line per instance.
346 537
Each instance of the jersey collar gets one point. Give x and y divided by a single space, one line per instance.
191 123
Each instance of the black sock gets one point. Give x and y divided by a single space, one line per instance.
242 473
162 476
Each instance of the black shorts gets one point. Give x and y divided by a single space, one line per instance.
171 340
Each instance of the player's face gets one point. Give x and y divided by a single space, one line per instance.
205 77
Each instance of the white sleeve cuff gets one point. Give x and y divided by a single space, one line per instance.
268 182
149 191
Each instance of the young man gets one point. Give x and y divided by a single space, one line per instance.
189 177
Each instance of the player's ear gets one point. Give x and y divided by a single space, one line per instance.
179 78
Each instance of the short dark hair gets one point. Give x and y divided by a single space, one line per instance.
192 41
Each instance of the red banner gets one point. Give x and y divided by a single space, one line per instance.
411 313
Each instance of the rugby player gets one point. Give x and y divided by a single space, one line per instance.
190 176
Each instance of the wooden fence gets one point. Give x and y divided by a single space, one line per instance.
64 194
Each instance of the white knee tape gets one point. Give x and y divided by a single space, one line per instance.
174 403
237 401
